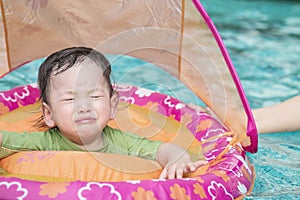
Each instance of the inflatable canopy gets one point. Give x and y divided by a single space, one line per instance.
176 36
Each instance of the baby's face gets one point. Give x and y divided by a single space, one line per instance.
80 103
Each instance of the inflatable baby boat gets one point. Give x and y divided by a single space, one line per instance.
178 37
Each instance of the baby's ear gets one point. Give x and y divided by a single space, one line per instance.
114 100
47 114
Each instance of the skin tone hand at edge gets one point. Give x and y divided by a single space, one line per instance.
282 117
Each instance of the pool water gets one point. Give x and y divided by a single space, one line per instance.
263 40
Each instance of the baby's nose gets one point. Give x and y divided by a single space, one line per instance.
83 105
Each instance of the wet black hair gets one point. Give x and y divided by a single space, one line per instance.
63 60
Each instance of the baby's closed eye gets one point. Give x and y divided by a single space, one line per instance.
96 96
69 99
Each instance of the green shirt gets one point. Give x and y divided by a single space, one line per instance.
114 141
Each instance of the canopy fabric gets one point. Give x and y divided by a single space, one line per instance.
176 35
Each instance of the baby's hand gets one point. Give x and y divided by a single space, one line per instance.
181 166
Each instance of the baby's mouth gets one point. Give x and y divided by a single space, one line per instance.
86 120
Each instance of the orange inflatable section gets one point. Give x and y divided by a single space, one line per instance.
68 166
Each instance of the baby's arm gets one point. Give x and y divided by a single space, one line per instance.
13 142
176 161
4 152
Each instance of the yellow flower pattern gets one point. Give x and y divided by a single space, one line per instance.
53 189
178 192
198 189
142 194
205 124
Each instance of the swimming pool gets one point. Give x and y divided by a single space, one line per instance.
263 37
